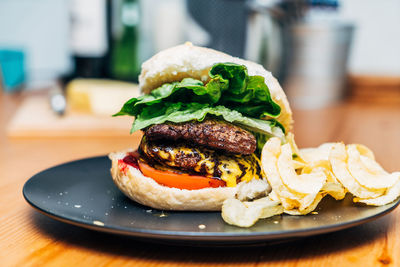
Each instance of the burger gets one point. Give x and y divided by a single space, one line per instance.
205 117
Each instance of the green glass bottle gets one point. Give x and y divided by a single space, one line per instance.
125 63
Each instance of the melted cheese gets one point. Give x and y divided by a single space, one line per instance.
236 169
232 169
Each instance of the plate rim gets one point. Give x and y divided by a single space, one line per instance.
197 236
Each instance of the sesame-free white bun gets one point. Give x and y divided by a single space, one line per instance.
148 192
187 60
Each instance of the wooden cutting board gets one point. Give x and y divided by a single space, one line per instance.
34 118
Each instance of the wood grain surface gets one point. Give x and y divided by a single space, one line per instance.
28 238
35 118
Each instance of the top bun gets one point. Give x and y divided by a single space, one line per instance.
187 60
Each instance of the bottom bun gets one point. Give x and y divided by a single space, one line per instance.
148 192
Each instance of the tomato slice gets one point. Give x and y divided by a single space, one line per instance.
181 181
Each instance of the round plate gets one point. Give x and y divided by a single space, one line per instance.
82 193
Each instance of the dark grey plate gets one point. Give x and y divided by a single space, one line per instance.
82 193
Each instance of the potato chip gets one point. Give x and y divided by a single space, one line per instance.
294 191
245 214
312 166
338 159
308 154
334 189
297 164
237 213
364 151
332 186
309 183
306 202
273 196
300 179
268 207
316 154
390 195
295 150
308 209
367 172
269 160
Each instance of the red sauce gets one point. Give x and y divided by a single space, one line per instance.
130 159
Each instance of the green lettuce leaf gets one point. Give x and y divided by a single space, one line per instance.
234 73
191 90
247 94
231 94
254 100
229 86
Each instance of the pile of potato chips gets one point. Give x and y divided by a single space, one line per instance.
301 178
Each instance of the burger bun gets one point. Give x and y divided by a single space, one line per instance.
148 192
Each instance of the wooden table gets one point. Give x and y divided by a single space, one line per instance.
28 238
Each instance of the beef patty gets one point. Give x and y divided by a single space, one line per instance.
211 133
231 168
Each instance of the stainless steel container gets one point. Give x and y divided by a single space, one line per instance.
316 71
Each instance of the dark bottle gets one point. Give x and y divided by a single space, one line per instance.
125 64
90 38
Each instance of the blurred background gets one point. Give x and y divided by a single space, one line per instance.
86 54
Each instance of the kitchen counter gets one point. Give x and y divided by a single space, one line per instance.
28 238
